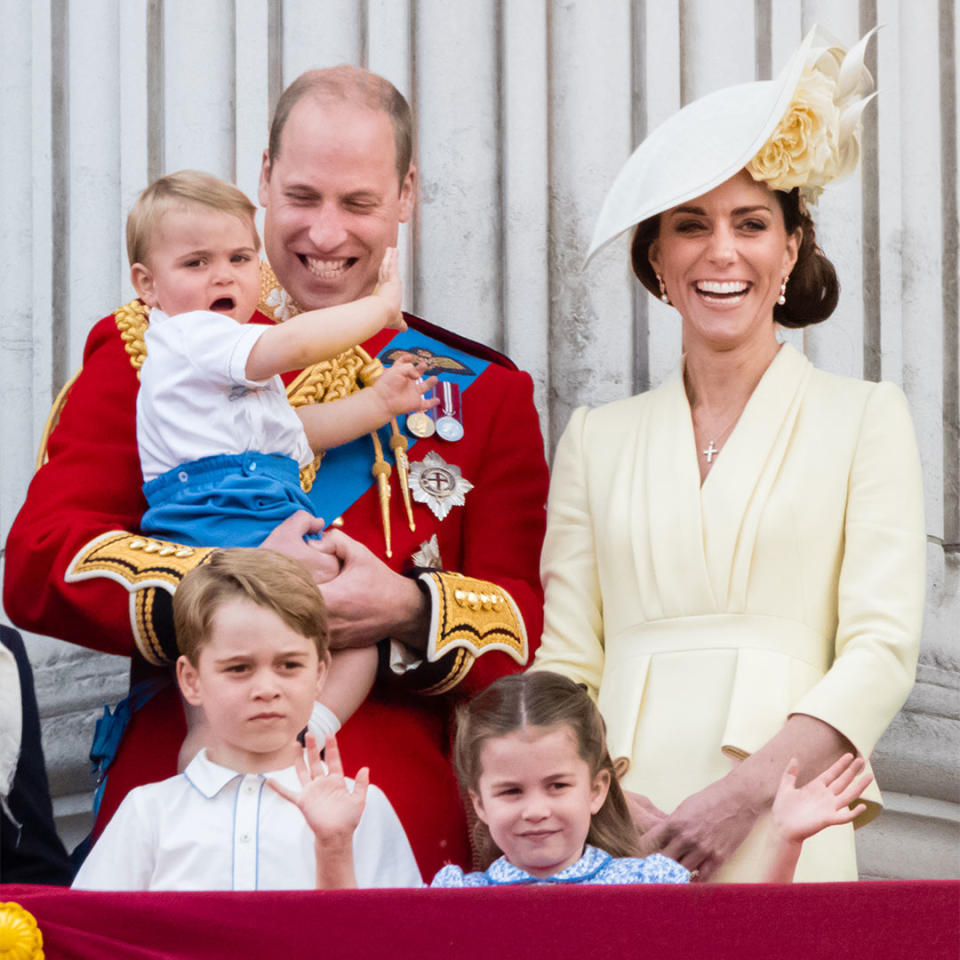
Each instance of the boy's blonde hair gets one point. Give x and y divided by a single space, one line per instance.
268 578
185 188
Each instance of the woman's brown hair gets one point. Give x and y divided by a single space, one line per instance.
813 289
542 699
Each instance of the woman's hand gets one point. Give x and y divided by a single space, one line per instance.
646 816
825 801
706 829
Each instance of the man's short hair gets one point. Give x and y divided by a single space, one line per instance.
354 85
265 577
185 188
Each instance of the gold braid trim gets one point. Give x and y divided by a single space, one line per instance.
142 565
331 380
53 418
472 615
460 667
131 321
142 604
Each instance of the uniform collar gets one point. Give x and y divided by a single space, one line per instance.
210 778
503 872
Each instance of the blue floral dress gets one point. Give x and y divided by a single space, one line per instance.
595 866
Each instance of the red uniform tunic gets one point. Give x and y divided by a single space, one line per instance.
118 599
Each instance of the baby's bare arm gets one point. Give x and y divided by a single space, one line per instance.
397 390
323 334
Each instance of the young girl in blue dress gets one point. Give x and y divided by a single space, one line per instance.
531 754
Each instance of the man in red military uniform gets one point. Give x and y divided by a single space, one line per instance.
336 183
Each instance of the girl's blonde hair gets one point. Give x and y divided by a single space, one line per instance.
542 699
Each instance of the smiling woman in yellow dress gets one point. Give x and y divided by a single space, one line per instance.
734 562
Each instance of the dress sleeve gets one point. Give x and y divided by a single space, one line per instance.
449 877
882 579
123 858
572 642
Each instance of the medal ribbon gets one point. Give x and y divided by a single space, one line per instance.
350 463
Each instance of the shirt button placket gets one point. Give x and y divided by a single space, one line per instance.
245 833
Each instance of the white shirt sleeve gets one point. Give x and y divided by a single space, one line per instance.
124 856
382 856
216 346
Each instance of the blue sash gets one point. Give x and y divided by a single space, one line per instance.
344 476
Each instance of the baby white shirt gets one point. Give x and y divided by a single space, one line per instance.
195 399
211 828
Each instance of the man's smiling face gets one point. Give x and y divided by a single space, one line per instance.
333 202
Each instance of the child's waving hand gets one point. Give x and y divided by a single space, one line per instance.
825 801
330 808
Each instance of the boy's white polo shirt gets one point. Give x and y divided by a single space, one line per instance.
211 828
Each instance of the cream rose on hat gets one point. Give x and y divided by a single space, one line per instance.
799 130
818 138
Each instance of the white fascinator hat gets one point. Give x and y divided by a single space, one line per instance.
801 130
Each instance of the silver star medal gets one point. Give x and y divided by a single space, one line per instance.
438 484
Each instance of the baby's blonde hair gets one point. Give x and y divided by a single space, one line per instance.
185 188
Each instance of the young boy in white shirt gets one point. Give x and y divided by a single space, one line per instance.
250 812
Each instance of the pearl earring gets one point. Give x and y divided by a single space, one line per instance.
782 299
663 290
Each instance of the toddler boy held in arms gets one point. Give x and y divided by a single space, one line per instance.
220 446
251 811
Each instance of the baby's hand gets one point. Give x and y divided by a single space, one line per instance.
823 802
390 289
331 810
400 389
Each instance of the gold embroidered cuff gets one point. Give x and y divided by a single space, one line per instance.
474 616
150 571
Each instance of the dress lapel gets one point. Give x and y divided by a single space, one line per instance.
671 511
736 489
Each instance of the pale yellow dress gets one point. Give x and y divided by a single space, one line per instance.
792 581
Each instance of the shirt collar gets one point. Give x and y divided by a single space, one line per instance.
210 778
592 862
